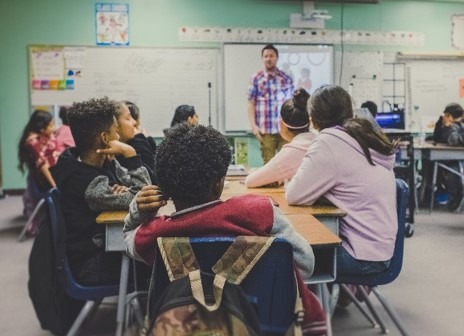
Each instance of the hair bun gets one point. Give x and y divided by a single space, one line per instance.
300 98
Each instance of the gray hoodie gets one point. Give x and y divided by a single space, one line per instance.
335 167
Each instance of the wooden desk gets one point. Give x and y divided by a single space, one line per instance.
329 215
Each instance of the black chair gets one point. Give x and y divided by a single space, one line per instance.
93 295
270 286
374 280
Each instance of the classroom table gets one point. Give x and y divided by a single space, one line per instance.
321 238
437 153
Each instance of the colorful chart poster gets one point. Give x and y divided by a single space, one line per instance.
112 23
47 68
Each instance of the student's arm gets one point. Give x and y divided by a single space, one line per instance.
316 175
100 195
44 169
302 251
147 153
143 207
456 135
281 167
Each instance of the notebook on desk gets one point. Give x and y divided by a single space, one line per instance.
236 170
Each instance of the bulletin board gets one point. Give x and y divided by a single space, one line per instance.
156 79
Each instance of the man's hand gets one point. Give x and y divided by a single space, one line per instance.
150 199
257 133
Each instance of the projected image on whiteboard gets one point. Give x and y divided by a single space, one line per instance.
309 66
308 70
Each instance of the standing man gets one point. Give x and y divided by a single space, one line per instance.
268 90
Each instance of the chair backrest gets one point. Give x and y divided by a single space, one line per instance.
270 286
402 194
73 288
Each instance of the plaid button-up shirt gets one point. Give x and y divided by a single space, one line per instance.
269 91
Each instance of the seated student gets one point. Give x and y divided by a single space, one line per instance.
191 167
63 134
450 130
90 181
37 152
351 165
183 113
135 113
294 128
129 134
452 114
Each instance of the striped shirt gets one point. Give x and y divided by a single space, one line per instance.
269 91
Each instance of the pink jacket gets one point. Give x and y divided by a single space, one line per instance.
335 167
284 164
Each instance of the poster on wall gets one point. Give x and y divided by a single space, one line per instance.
112 23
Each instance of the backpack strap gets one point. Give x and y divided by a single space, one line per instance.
241 256
178 256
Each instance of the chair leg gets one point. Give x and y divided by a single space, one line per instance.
391 311
31 219
88 310
374 313
359 306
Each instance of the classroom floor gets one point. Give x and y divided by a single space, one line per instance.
427 294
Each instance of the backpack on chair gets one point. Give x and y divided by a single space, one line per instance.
200 303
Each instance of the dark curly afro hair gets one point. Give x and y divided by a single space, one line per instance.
190 160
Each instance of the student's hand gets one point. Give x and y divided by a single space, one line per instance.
447 120
119 189
116 147
150 199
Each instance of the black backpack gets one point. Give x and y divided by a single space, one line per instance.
199 303
55 310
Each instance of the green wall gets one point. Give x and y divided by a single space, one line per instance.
156 23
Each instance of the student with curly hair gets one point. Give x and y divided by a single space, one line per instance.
91 181
294 128
191 167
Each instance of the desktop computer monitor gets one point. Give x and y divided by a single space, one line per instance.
393 119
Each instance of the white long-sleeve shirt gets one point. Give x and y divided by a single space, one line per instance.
284 164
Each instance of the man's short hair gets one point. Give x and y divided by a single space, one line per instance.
455 110
270 47
89 119
190 160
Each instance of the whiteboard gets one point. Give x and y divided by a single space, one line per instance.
241 61
431 85
156 79
361 75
